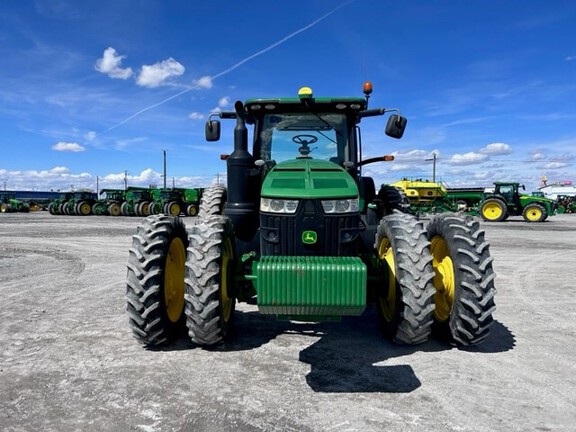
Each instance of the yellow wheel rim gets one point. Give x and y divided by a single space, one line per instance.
174 288
145 209
192 211
534 214
174 209
115 210
85 209
444 280
492 211
226 301
387 303
3 208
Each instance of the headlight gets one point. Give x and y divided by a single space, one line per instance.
275 205
340 206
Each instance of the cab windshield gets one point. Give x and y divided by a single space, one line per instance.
304 135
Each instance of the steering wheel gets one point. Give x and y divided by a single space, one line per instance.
304 139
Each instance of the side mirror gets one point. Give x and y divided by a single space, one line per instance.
395 126
212 130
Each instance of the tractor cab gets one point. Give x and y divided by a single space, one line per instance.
510 192
306 154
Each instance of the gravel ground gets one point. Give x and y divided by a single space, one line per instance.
68 361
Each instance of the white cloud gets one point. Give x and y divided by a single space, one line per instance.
415 155
90 135
204 82
68 147
555 165
538 156
496 149
109 64
57 170
469 158
155 75
224 102
195 116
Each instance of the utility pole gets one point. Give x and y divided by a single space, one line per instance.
125 179
433 166
164 153
97 186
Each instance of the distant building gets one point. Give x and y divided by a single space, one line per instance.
33 197
552 190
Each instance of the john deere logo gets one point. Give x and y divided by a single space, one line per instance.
309 237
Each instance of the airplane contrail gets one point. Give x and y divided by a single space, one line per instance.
231 68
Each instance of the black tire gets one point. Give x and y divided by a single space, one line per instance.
210 299
114 209
464 279
213 201
393 198
191 210
534 213
404 303
52 208
124 209
172 208
155 208
83 208
493 210
155 281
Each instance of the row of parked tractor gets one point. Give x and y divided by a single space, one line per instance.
493 204
132 201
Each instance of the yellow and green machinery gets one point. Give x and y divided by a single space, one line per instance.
9 203
176 201
301 232
493 204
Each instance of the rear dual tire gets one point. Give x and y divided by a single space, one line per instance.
463 280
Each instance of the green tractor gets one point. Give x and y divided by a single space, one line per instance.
176 201
56 207
9 204
295 232
137 201
110 203
506 200
79 203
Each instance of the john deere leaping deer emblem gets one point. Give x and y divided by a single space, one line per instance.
309 237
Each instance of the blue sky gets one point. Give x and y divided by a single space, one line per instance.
93 89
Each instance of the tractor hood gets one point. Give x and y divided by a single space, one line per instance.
309 179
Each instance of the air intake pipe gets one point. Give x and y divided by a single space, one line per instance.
243 186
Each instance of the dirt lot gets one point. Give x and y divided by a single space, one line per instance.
69 363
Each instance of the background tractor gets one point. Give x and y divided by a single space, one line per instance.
9 204
137 201
79 203
506 200
176 201
56 207
109 203
301 232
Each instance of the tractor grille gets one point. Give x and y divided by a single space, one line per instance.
282 234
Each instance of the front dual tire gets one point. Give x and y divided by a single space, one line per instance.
178 282
436 279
